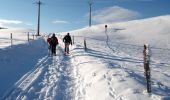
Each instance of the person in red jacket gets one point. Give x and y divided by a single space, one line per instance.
49 43
54 43
49 40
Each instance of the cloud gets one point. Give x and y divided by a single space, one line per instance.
60 22
28 24
114 14
4 22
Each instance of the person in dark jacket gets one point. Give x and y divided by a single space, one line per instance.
67 40
54 43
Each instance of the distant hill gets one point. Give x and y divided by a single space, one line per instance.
2 28
154 31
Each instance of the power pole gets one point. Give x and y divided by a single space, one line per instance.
90 5
38 25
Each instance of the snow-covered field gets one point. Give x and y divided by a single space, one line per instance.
105 71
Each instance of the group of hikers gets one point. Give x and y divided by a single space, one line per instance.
53 42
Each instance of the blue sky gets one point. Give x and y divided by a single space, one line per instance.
67 15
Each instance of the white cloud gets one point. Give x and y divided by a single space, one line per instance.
60 22
4 22
114 14
28 24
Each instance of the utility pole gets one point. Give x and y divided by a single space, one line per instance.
38 25
90 5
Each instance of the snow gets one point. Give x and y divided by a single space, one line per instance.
17 60
105 71
153 31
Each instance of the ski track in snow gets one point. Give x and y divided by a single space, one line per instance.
50 80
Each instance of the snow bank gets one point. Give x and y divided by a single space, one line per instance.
17 60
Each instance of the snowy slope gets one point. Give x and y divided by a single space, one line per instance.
106 71
154 31
124 55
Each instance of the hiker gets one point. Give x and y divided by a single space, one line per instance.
67 40
54 43
49 43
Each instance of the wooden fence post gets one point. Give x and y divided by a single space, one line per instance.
11 40
85 46
28 37
33 36
73 39
147 68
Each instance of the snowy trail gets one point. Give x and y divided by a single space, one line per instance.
51 79
24 85
93 79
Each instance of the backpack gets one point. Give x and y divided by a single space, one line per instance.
49 40
54 41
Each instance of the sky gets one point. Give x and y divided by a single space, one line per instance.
68 15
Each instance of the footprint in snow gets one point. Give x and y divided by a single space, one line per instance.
94 74
112 93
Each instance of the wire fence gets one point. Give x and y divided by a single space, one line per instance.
13 39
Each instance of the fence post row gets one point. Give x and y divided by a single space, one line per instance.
85 46
11 39
147 68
